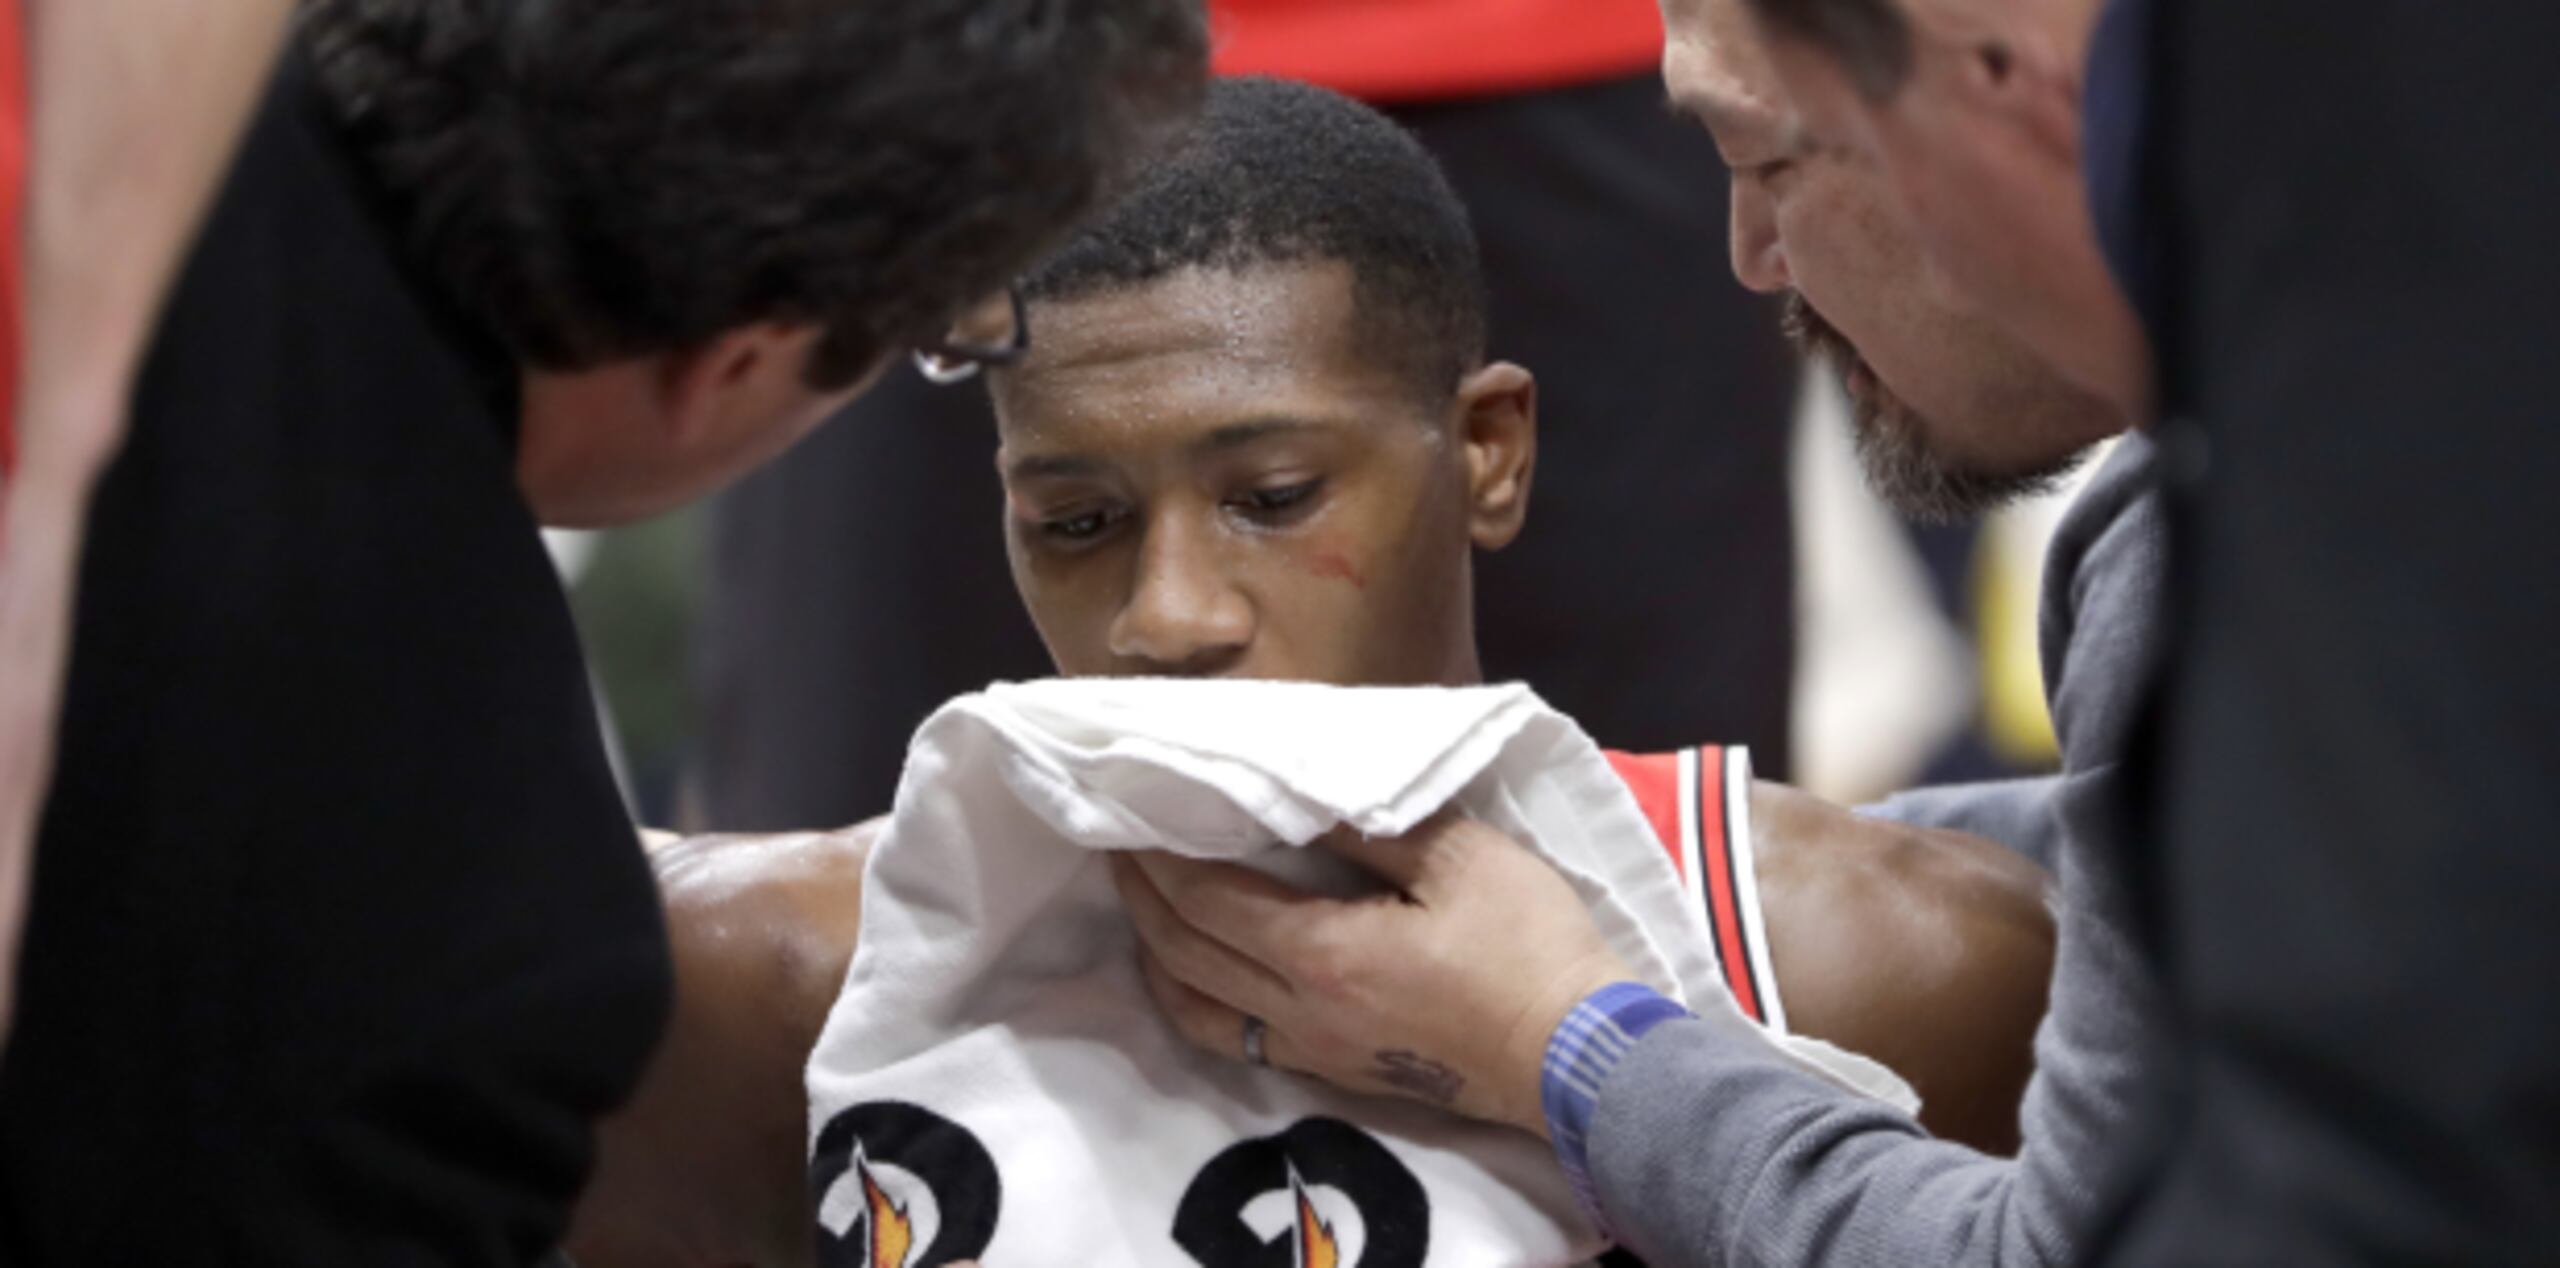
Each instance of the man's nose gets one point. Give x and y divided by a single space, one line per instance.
1759 254
1184 617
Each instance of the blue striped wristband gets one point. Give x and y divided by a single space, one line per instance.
1587 1045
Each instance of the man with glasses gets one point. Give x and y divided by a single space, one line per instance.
337 919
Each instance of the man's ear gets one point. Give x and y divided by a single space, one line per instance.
703 387
2022 77
1498 423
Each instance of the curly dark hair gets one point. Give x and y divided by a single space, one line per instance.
1275 172
598 179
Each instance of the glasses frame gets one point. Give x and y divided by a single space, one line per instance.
946 361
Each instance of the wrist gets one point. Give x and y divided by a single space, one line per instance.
1585 1049
70 423
1526 1048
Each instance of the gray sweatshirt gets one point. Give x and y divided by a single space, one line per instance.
1705 1149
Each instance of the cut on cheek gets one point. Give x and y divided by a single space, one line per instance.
1333 565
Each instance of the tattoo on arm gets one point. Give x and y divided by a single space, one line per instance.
1420 1075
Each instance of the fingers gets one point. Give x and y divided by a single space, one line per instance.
1195 958
1250 913
1210 1026
1416 861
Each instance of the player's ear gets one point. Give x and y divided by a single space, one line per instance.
1498 423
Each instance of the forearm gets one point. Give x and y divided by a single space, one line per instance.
136 106
1707 1147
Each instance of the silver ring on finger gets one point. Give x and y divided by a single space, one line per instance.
1255 1030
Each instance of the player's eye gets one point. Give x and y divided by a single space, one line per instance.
1277 501
1082 525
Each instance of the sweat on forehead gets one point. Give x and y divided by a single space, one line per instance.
1279 173
1200 348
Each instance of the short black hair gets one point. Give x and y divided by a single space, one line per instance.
1275 172
598 179
1871 38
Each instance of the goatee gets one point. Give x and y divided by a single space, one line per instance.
1893 443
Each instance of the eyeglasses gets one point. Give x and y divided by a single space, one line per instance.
991 334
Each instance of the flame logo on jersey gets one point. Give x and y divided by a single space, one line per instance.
1380 1215
1317 1247
892 1233
899 1186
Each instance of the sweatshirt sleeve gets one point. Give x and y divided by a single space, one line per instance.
2018 813
1708 1147
1705 1146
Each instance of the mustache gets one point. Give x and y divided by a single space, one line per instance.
1814 336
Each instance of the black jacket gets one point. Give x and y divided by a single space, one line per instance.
2357 799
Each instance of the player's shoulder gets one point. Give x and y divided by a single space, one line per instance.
744 871
765 914
1928 949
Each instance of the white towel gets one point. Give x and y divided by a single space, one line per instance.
995 1083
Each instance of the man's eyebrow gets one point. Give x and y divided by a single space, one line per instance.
1740 120
1055 466
1239 434
1236 435
1714 112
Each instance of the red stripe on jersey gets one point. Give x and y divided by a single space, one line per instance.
1715 851
1654 778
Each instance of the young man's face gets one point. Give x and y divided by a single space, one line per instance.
1210 475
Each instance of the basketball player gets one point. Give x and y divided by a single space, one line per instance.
1256 435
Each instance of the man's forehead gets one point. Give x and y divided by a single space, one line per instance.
1161 360
1733 110
1287 313
1716 69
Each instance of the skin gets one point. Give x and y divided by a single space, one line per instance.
1981 147
1930 951
1817 217
1150 536
635 438
135 108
